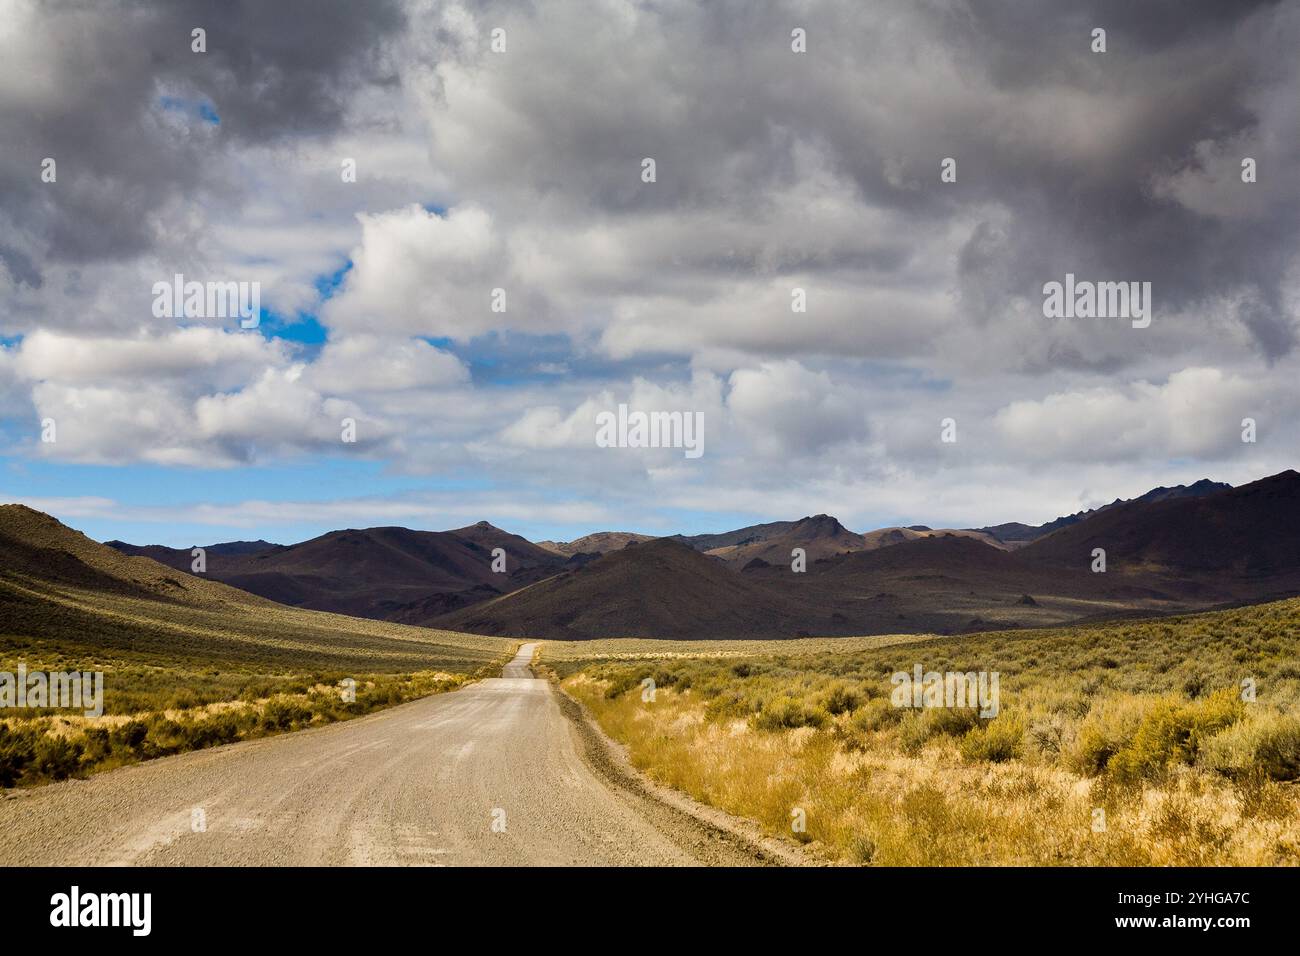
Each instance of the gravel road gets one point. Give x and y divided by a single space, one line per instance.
486 775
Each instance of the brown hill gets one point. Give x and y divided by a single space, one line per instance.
661 588
384 573
600 542
63 594
950 583
1015 534
821 536
664 589
1239 543
885 537
37 548
740 536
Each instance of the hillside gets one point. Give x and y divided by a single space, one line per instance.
885 537
1235 544
1167 553
740 536
1015 533
61 590
600 542
381 573
661 588
1144 718
820 536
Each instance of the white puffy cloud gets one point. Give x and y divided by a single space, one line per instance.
203 352
425 274
1196 413
368 363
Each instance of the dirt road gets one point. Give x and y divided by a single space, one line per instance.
487 775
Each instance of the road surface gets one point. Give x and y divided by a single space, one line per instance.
486 775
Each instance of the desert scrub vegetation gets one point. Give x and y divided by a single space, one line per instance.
1173 741
42 746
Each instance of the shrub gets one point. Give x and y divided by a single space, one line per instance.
914 732
1047 736
129 736
96 745
840 698
1109 726
212 731
17 749
789 712
164 737
55 757
1172 732
1000 739
282 714
876 714
1268 745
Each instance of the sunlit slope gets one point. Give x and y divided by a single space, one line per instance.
61 589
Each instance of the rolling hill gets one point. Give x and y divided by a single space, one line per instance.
659 588
1235 544
821 536
61 591
600 542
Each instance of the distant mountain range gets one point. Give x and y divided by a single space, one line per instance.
392 574
1015 534
1171 549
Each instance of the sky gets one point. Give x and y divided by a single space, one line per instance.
500 271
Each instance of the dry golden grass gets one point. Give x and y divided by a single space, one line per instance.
1126 744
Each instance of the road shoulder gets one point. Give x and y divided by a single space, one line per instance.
725 839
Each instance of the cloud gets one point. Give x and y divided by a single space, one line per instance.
521 171
368 363
53 356
419 272
789 410
1197 413
87 85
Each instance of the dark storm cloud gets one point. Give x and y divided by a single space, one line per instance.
1072 144
91 85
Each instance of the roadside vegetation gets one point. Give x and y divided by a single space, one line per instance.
1133 743
189 673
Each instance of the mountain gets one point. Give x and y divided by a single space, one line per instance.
66 597
599 543
940 584
1015 533
1171 549
661 588
182 559
820 536
384 573
1235 543
41 550
884 537
727 539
